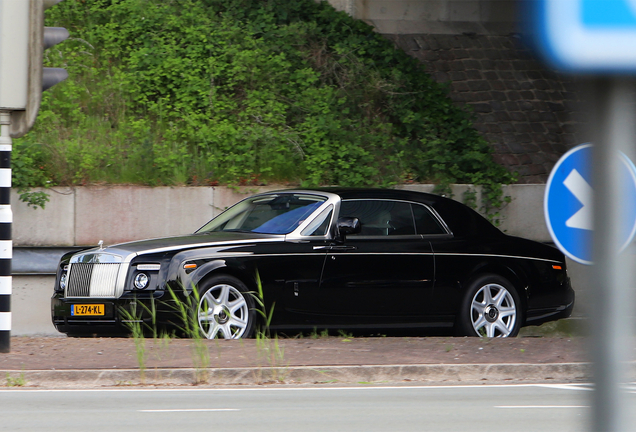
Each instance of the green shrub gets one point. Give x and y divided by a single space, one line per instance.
241 92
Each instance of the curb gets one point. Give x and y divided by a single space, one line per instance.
424 374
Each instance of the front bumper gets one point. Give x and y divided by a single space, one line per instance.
119 314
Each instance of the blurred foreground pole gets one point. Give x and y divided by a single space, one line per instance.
612 120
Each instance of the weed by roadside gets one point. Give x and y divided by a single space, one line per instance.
315 335
268 348
19 381
569 327
346 337
188 311
132 320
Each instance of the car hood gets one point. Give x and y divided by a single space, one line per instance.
176 243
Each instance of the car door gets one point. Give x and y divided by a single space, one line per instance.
384 272
292 270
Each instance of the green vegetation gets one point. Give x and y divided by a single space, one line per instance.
19 381
133 320
568 327
188 311
267 348
203 92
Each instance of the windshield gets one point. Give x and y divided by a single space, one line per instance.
270 214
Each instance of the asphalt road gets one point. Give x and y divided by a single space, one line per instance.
520 408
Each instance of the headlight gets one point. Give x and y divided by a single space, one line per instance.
141 280
63 281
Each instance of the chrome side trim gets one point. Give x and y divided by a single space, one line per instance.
321 248
210 244
496 256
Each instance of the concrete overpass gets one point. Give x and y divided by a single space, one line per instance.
529 114
456 17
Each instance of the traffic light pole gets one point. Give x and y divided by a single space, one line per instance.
23 78
6 245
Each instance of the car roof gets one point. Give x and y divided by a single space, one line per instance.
461 219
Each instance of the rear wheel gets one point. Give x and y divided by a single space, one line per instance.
491 308
226 309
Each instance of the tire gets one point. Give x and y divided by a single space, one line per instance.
491 308
225 308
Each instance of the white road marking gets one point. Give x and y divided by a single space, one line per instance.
583 387
583 192
540 406
265 389
189 410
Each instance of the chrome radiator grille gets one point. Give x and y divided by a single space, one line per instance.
92 280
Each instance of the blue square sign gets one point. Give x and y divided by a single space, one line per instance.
587 35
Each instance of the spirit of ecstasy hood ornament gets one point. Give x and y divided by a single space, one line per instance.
100 244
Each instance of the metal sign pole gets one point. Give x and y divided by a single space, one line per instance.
6 219
611 315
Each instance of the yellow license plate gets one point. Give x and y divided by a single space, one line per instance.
87 309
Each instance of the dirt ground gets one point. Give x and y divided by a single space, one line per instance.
46 353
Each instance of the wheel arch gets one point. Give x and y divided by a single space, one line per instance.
219 267
229 271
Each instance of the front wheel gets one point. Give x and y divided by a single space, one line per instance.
491 308
226 309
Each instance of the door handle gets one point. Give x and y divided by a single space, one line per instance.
342 248
335 248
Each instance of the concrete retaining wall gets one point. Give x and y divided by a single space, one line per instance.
85 215
31 305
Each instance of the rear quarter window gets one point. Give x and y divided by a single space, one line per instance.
425 222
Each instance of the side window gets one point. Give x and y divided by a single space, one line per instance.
380 218
425 222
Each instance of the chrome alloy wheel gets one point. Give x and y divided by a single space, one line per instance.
223 312
493 312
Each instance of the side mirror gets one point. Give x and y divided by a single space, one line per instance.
346 226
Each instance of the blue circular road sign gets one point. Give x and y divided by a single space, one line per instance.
568 205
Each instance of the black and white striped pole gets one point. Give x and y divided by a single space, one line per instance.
6 245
